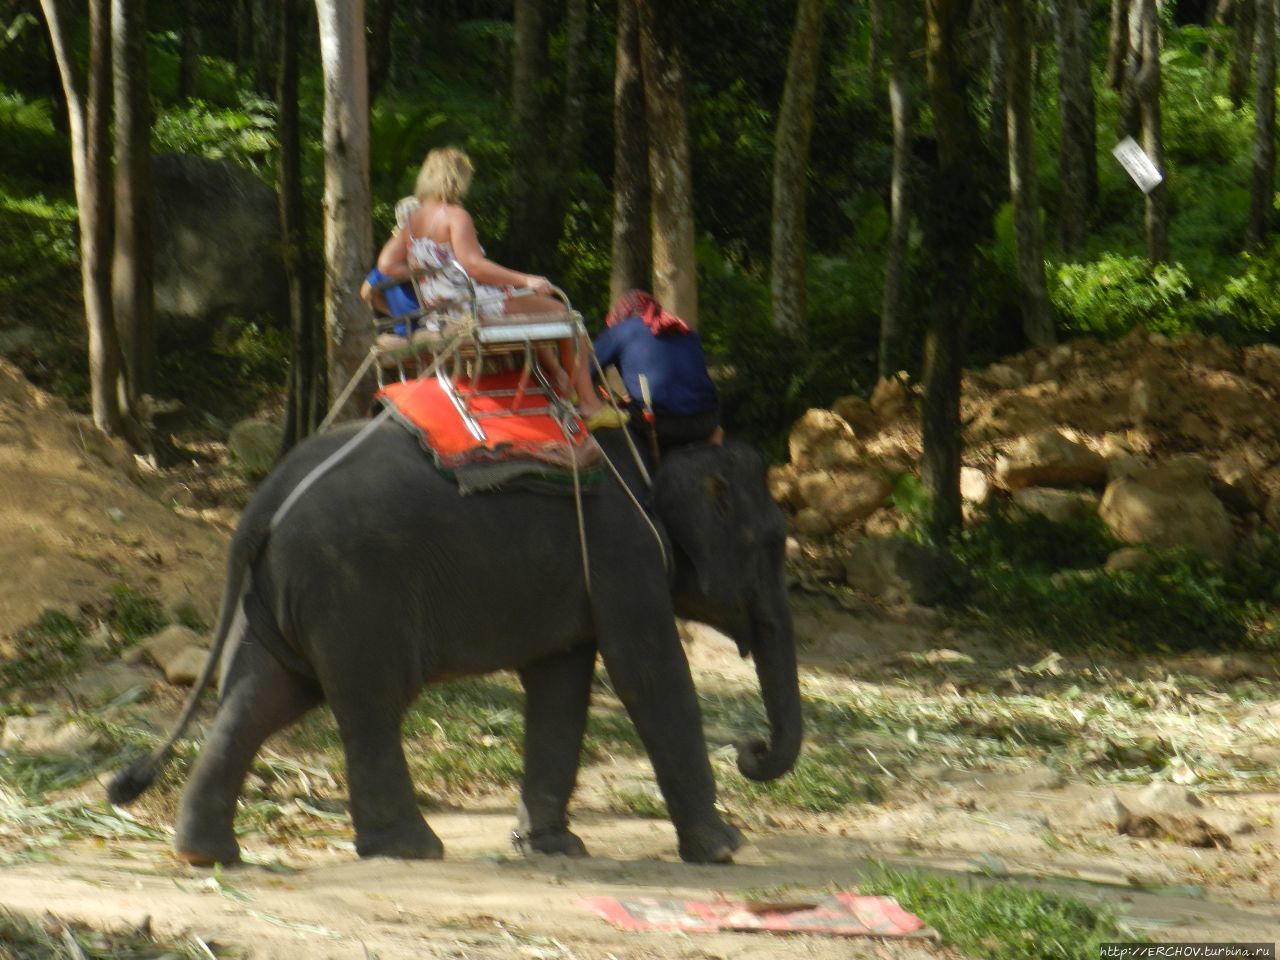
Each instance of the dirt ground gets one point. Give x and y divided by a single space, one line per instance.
77 515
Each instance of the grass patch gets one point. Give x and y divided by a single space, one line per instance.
47 650
825 779
22 938
1001 921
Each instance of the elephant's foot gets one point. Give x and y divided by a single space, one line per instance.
418 842
562 842
205 851
713 842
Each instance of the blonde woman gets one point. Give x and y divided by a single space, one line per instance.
440 231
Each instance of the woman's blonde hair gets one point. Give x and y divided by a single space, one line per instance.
445 175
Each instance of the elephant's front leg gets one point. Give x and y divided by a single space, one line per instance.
651 677
557 690
384 808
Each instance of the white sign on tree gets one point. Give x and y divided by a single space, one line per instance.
1135 160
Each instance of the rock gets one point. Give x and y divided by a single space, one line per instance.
1047 458
1228 821
1123 465
1192 831
808 522
1109 810
167 645
1042 372
255 444
1060 506
1161 797
1170 506
885 522
821 439
1193 426
899 570
1271 512
1234 484
1004 376
975 488
186 665
856 412
47 734
845 496
782 485
1127 558
1114 445
1262 363
890 398
217 246
102 684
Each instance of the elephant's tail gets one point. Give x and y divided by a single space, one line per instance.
134 780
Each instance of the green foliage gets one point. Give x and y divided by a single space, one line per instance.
134 616
30 146
825 779
1000 921
244 133
1110 296
1037 576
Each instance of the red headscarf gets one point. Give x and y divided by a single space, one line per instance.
638 303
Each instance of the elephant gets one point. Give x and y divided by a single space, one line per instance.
358 573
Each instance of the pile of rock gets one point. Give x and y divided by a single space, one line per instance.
1171 442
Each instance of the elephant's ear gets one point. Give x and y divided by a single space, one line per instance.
716 489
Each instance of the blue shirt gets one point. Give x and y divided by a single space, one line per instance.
673 363
400 299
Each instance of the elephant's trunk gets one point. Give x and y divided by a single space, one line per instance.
774 652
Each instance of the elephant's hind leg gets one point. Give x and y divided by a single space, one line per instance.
557 690
384 809
259 697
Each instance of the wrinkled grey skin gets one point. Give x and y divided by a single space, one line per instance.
381 578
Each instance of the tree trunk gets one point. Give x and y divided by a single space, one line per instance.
133 272
1117 43
381 18
875 47
631 263
305 387
188 51
675 275
1037 312
1242 42
790 171
348 225
997 58
1264 129
1078 154
531 239
266 24
1140 112
957 215
895 260
573 122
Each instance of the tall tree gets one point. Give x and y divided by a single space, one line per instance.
348 224
1117 43
266 24
997 60
1264 128
381 18
132 272
531 238
791 168
1078 152
1140 114
88 119
1243 21
675 277
573 118
188 51
631 261
306 376
1037 312
955 216
895 259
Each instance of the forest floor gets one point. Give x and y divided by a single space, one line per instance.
989 762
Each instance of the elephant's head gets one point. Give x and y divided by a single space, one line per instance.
728 540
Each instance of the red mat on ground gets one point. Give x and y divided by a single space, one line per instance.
839 915
511 432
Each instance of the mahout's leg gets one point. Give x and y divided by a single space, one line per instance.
557 690
258 697
384 808
650 674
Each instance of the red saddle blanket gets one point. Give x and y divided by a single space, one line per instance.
531 430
